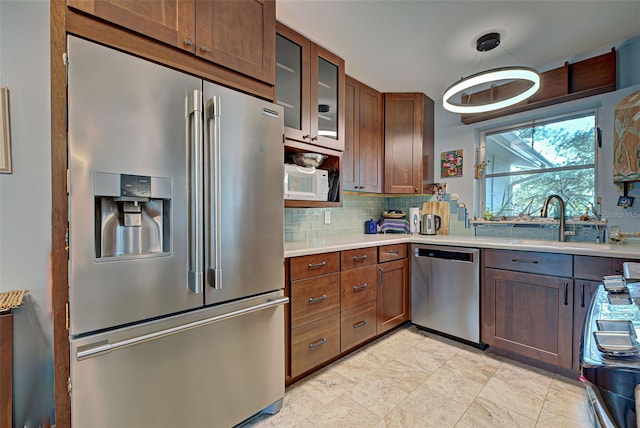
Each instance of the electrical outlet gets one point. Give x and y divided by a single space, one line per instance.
327 217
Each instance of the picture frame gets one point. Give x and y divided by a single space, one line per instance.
625 201
5 132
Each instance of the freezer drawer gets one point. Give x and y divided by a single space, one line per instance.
210 368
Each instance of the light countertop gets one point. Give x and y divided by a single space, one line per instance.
338 243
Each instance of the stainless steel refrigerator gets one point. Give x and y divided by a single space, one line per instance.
176 255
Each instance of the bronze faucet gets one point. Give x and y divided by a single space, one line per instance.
562 236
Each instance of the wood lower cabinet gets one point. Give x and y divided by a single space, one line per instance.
314 292
393 287
239 35
6 370
314 298
534 304
393 296
372 298
408 143
529 314
357 325
527 305
358 297
363 150
314 343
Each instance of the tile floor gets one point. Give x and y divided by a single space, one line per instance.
412 378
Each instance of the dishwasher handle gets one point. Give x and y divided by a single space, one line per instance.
460 256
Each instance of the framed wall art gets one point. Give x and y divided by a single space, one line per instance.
5 133
451 164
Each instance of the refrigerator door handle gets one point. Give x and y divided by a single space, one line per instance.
214 271
104 346
195 177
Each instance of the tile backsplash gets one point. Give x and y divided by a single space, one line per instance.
302 224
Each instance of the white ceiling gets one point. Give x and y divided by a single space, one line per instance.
425 45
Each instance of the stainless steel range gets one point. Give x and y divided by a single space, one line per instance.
176 246
610 354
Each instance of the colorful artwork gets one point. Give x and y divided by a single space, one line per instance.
451 164
626 139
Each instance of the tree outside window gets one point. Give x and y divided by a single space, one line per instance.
525 164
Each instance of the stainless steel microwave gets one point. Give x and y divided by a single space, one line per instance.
305 184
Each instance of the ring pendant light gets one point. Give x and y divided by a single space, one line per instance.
525 74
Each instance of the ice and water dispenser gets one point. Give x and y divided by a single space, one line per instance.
132 215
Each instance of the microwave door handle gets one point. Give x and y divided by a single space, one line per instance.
194 131
214 270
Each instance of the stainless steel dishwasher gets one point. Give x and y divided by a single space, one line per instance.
445 291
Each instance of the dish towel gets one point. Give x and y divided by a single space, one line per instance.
395 226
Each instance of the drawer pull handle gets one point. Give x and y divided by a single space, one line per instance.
356 258
566 294
359 324
317 299
535 262
582 295
318 343
360 287
394 252
317 265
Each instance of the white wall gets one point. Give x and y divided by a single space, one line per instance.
452 134
25 204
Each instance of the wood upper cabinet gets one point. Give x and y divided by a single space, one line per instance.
239 35
408 143
393 294
310 85
170 21
363 144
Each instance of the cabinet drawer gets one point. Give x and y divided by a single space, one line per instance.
314 265
358 286
314 298
314 343
352 259
357 325
387 253
594 268
528 261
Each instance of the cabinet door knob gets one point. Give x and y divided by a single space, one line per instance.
416 190
204 49
188 42
306 137
314 138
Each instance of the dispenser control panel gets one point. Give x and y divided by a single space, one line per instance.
138 186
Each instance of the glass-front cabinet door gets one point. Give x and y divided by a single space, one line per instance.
292 82
310 84
327 88
327 92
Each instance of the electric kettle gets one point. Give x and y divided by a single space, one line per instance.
430 224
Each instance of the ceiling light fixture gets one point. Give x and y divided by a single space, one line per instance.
526 75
